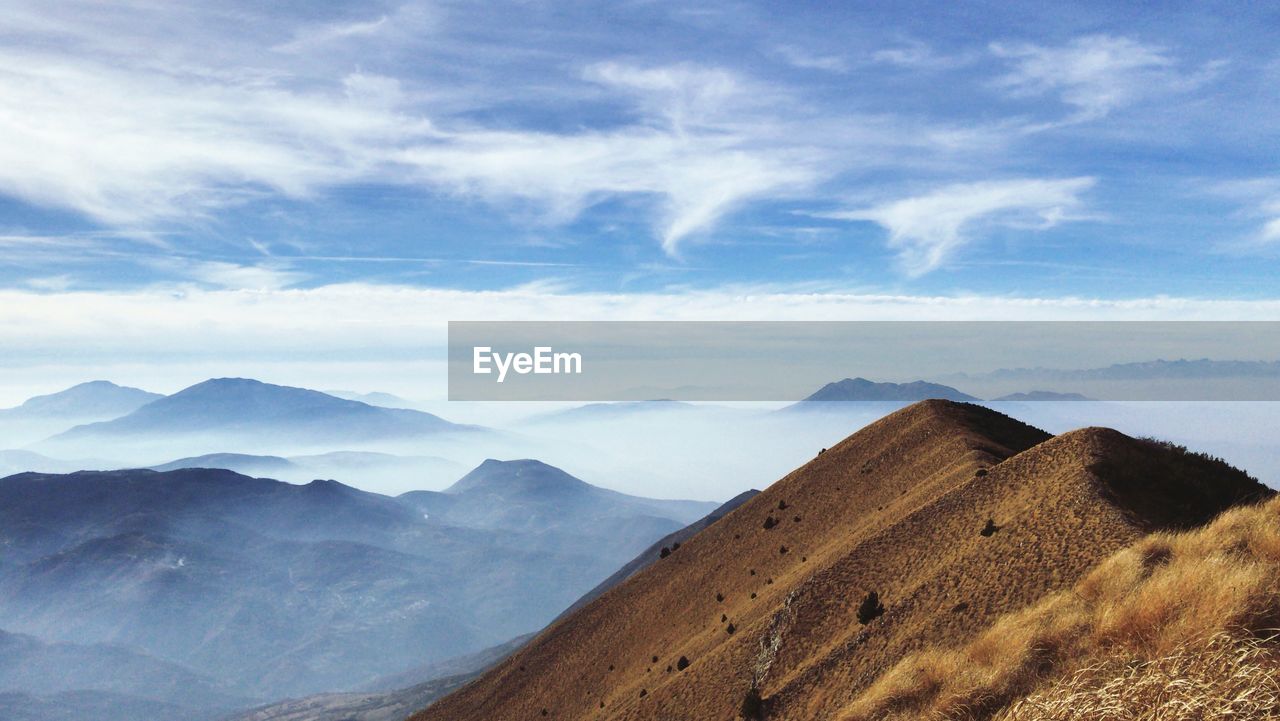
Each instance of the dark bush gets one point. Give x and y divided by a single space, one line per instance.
719 598
989 529
782 505
782 550
730 629
870 608
682 664
981 472
753 705
664 552
770 522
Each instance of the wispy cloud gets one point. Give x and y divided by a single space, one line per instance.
916 55
143 146
928 229
133 129
210 122
221 274
1259 199
800 57
1096 74
312 37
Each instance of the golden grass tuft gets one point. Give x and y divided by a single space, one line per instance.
1163 604
1220 679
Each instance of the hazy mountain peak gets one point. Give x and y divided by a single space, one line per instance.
522 476
92 398
252 414
861 389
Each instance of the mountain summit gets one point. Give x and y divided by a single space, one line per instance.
547 503
524 477
95 399
920 529
861 389
246 409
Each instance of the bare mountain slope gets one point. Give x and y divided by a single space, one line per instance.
951 513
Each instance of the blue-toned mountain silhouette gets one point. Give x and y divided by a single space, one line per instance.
259 589
230 409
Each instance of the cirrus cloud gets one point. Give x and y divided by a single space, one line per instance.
928 229
1096 74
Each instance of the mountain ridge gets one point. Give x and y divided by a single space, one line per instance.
91 398
952 513
246 579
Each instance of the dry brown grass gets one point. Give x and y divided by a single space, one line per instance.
1220 679
1155 604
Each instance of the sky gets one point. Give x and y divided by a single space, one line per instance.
201 187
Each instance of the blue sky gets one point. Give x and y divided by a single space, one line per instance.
1047 149
191 189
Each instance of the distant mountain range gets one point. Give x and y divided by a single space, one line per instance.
260 590
230 411
550 509
42 416
364 467
861 389
1144 370
389 699
95 399
1042 396
394 697
103 672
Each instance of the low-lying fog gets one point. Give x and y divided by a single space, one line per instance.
658 449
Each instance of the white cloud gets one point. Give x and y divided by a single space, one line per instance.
927 229
805 59
222 274
1260 203
1269 209
137 147
312 37
384 336
916 55
131 148
1096 74
1271 231
155 117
